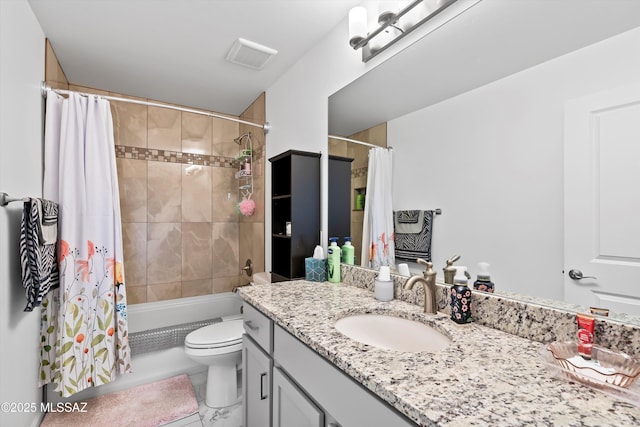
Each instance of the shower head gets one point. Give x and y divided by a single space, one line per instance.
239 139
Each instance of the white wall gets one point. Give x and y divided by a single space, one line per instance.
22 47
492 159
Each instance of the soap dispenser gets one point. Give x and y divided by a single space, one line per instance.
484 282
460 297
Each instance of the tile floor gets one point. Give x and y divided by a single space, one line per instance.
230 416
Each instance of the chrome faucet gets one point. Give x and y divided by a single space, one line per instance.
429 283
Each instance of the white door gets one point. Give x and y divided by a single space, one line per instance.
602 200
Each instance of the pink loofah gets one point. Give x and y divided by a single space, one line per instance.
247 207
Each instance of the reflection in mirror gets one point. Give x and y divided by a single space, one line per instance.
488 147
376 135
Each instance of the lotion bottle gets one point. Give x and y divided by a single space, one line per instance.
348 250
333 260
461 297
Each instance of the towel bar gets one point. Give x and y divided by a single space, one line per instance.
5 199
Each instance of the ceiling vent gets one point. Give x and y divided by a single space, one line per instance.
250 54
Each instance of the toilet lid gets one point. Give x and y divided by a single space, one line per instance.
223 333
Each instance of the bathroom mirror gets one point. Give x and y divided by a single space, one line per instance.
475 113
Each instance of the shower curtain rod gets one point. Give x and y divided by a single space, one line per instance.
368 144
265 127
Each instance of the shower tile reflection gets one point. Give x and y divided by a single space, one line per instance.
224 131
164 253
165 129
196 193
196 133
164 192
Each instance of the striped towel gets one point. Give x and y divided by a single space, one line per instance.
38 236
416 243
408 222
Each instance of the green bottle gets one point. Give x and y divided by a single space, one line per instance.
348 256
333 260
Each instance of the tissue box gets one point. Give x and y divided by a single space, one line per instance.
315 269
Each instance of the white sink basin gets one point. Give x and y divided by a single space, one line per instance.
392 333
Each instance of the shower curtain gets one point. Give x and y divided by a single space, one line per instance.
84 340
377 230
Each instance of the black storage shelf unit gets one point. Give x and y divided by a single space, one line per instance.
339 197
295 198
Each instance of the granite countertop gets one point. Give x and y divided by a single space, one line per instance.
485 376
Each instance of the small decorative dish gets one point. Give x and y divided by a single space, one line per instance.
609 371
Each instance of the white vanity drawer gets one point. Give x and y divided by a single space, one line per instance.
259 327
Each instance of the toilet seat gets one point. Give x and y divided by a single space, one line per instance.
218 335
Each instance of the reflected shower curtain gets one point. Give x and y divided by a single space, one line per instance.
84 340
377 230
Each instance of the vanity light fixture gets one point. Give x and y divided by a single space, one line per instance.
393 26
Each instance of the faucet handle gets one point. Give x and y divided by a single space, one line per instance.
453 259
428 271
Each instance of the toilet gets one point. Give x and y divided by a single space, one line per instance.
218 346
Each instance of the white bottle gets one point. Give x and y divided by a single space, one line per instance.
383 288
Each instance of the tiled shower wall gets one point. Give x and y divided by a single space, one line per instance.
178 202
182 232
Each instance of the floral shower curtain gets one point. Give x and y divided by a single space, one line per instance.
84 340
377 231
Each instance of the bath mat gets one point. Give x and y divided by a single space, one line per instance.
148 405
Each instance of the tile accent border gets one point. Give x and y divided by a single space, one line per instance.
154 155
358 172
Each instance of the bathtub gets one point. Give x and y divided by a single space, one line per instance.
155 365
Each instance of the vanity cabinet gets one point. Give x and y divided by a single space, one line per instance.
287 384
270 397
257 368
291 407
295 212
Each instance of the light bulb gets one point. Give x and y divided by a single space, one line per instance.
357 25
